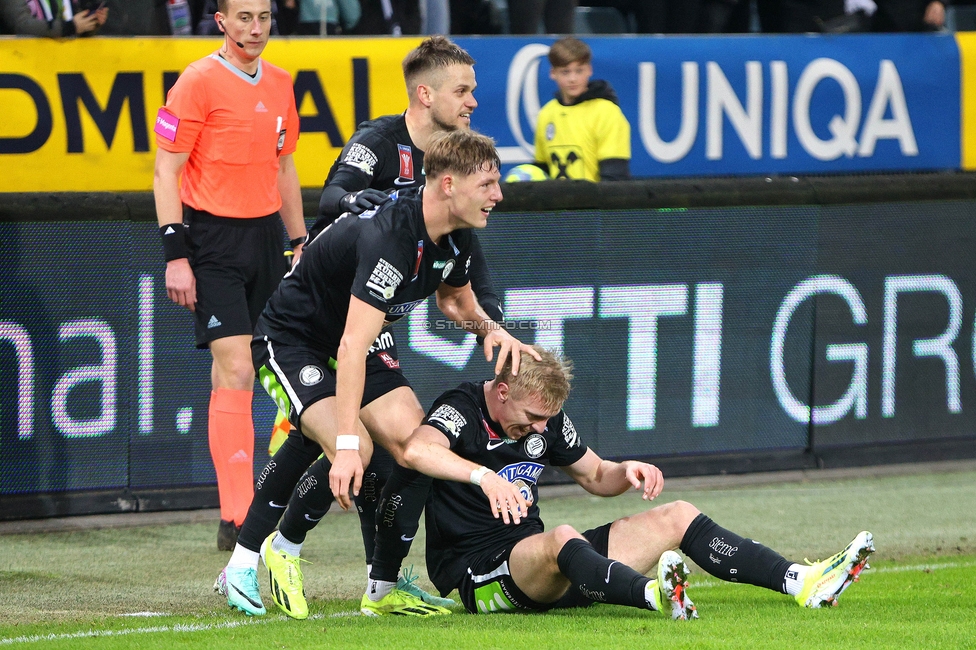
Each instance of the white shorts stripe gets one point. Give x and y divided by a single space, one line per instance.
283 380
500 571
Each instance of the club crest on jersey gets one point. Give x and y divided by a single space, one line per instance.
448 267
361 157
406 162
449 419
550 131
384 279
310 375
534 445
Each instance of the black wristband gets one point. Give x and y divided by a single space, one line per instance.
174 241
297 241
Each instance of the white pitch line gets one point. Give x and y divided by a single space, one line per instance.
713 582
180 627
203 627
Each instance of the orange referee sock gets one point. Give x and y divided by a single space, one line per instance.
231 432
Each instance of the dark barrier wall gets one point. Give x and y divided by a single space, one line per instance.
706 338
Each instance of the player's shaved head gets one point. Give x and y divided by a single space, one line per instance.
549 379
224 5
426 63
461 152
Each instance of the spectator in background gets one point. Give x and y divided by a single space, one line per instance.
392 17
339 16
557 16
909 15
656 16
581 134
50 18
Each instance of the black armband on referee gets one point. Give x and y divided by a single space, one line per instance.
174 241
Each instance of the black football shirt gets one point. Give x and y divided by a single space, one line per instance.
460 521
384 257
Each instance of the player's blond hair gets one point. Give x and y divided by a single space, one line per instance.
461 152
569 50
431 56
549 378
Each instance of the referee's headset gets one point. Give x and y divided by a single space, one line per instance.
224 30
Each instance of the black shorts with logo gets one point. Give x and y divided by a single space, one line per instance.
488 587
237 264
297 377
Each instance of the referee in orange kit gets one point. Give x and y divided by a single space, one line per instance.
224 181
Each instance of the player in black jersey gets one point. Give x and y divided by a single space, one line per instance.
323 351
487 444
387 154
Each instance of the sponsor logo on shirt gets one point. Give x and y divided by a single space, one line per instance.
448 418
420 255
494 440
404 309
361 157
534 445
569 433
383 342
523 475
389 360
281 140
166 125
384 280
406 163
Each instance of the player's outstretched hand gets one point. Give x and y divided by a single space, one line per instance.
508 345
181 285
649 475
363 200
346 473
505 498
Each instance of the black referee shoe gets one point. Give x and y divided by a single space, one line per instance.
227 535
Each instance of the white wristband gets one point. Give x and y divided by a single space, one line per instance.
347 442
478 474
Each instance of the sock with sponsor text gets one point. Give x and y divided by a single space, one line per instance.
310 502
732 558
397 521
376 475
601 579
274 488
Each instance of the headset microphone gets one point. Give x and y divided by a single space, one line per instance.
237 43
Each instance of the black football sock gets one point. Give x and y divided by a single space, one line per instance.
309 502
374 480
274 487
730 557
601 579
397 520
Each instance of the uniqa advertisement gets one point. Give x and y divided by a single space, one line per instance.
78 114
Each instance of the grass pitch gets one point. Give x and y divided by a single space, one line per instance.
150 587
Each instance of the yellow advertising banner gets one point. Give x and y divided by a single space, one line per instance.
967 85
78 115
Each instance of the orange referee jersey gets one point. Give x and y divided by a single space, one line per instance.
234 127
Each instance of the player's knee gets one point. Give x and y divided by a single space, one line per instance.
675 517
564 533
